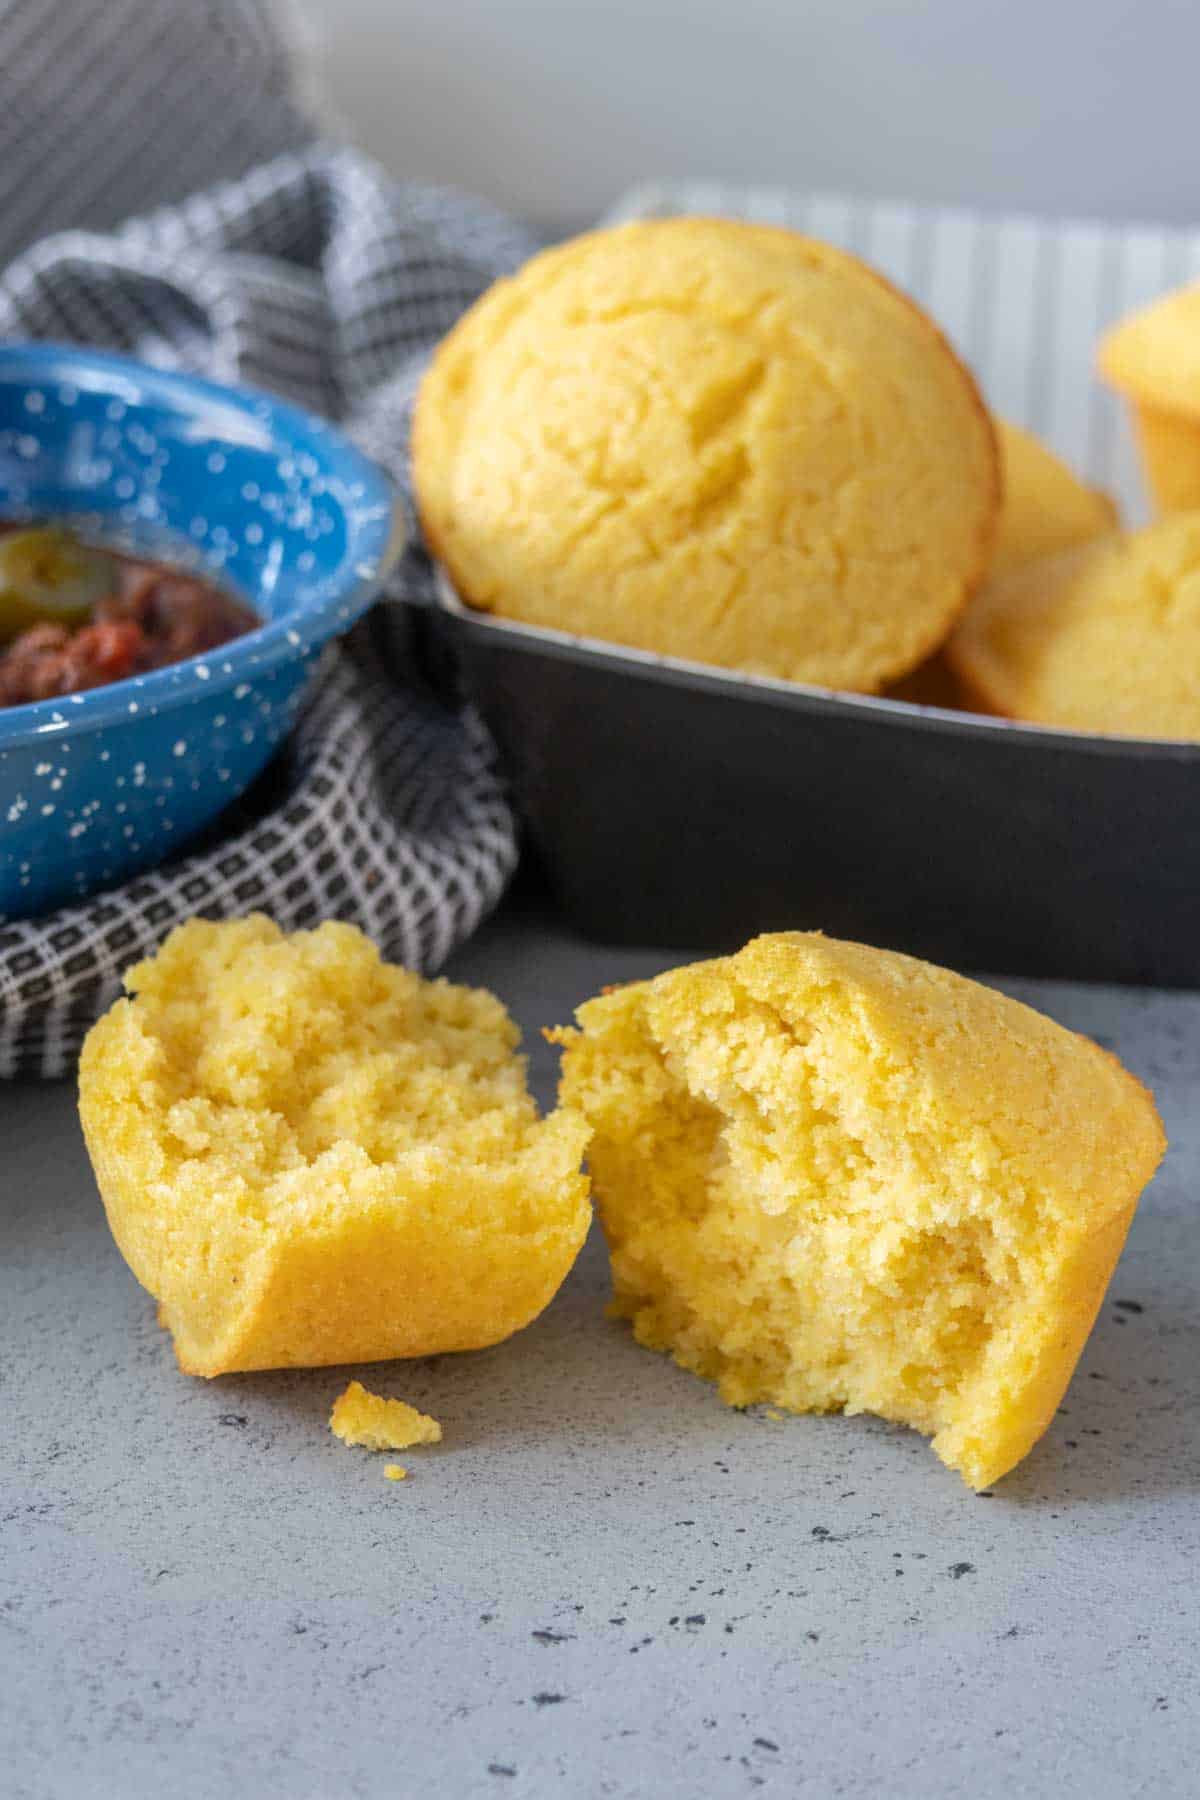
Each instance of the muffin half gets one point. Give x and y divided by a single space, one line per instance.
837 1179
310 1156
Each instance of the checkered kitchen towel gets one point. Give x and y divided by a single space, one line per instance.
295 266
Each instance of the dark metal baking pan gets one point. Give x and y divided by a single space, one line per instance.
676 804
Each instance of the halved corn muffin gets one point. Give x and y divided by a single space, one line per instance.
838 1179
310 1156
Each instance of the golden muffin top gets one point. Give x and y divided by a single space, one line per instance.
881 1036
1105 638
713 440
1046 506
1154 354
265 1051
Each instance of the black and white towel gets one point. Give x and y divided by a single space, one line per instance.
251 253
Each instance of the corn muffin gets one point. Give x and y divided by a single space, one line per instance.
1046 506
309 1156
1046 509
1103 639
713 440
1153 358
837 1179
369 1422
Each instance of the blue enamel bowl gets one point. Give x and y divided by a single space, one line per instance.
275 504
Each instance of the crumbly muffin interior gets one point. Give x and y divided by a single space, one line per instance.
287 1130
270 1052
372 1422
796 1211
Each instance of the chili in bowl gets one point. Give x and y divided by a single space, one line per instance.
174 555
75 616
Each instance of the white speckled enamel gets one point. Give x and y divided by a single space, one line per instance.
273 503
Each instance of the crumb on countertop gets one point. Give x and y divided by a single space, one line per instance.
374 1423
394 1472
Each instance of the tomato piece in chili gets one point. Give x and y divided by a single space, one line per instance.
79 616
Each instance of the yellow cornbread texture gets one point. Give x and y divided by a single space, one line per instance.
394 1472
1103 639
309 1156
715 440
370 1422
835 1178
1046 507
1154 354
1153 358
1169 443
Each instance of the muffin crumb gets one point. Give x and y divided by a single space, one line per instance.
394 1472
370 1422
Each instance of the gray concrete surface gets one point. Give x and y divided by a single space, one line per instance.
603 1582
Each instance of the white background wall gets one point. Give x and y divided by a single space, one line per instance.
1081 107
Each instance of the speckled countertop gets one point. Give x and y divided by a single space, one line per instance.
603 1582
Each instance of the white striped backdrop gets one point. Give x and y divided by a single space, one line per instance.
1023 300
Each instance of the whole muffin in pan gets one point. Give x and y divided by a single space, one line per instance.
713 440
